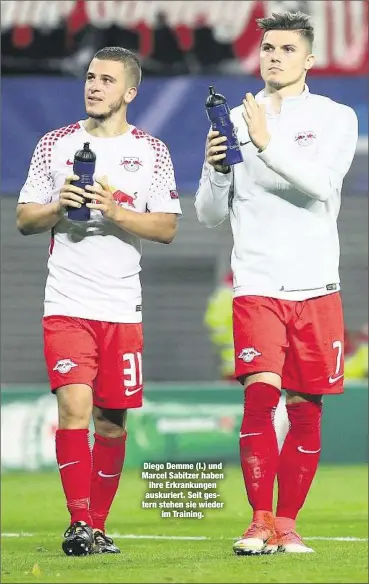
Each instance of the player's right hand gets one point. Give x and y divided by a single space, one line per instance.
215 150
70 195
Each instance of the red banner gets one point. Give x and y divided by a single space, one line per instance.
341 26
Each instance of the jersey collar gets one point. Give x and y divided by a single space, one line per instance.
287 102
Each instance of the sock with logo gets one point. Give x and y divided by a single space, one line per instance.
73 454
108 459
299 457
258 444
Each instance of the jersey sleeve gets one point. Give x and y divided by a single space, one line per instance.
319 177
212 195
39 184
163 194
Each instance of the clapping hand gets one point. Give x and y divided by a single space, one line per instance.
255 118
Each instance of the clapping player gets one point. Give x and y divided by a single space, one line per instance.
283 202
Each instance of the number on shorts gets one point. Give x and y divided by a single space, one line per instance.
132 373
338 345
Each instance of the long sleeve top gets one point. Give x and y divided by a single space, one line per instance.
284 202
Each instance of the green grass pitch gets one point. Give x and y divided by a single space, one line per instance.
34 504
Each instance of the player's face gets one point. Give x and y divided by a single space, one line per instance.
107 89
285 58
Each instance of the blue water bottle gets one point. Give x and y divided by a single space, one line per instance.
84 167
218 113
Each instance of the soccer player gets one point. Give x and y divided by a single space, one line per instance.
92 326
283 202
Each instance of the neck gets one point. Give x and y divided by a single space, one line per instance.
277 95
115 125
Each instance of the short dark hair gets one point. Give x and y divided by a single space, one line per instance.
298 21
129 60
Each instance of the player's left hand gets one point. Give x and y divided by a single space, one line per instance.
255 118
101 198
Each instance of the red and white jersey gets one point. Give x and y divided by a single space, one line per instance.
284 202
94 266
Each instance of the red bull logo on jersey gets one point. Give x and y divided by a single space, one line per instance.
248 354
132 164
122 198
305 138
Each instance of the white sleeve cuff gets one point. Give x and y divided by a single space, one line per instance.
219 178
271 152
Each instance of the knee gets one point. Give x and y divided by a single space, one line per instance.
295 397
266 378
70 419
304 413
108 429
109 423
261 395
74 407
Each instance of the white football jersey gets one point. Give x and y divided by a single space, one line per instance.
284 202
94 265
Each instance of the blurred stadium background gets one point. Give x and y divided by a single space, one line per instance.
184 46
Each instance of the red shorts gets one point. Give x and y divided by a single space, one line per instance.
106 356
302 341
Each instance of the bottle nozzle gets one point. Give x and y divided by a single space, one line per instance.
211 90
86 146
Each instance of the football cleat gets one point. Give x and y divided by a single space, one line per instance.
254 540
104 544
288 542
78 539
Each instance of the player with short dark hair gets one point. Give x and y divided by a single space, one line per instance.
92 322
283 202
129 60
297 21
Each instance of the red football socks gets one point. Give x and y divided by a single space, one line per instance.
258 444
299 457
108 459
73 455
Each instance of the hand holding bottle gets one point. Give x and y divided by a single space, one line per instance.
219 115
216 151
83 169
70 195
